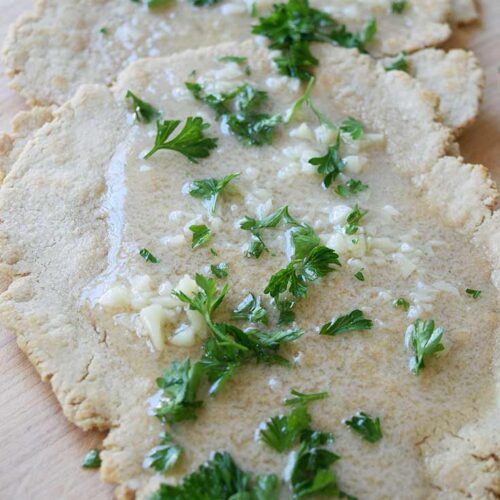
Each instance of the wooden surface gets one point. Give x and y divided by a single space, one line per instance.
40 451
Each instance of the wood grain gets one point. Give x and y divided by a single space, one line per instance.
41 452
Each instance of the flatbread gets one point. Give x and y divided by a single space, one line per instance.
52 50
464 11
456 78
80 202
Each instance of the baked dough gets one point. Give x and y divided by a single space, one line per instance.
52 50
80 201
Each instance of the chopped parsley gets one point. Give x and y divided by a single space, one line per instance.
190 141
401 303
368 427
354 321
144 112
201 235
399 63
220 270
235 59
148 256
154 4
352 127
352 186
210 189
331 164
353 220
473 293
424 339
92 460
292 26
398 6
229 347
304 398
300 272
163 457
360 276
104 31
203 3
241 111
179 385
220 478
251 309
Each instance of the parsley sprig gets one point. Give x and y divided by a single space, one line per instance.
368 427
354 321
241 111
163 457
209 190
190 141
251 309
220 478
292 26
424 339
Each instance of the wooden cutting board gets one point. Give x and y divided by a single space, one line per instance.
40 451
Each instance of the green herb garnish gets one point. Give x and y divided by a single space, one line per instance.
292 26
401 303
241 111
352 127
92 460
144 112
190 141
104 31
398 6
210 189
148 256
353 220
220 270
352 186
235 59
300 398
354 321
163 457
360 276
220 478
251 309
368 427
424 340
399 63
473 293
201 235
331 164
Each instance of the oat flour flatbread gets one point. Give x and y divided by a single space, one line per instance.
80 202
60 45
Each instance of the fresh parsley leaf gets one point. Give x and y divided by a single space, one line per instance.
301 398
352 186
250 309
286 312
220 478
399 63
201 235
330 165
190 141
352 127
240 111
353 220
401 303
179 385
163 457
424 339
354 321
297 275
220 270
92 460
368 427
398 6
213 252
203 3
311 474
210 189
155 4
144 112
235 59
104 31
303 239
473 293
148 256
282 432
292 26
255 247
360 276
